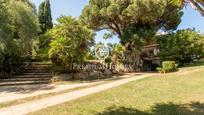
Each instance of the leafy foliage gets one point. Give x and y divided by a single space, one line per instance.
41 44
23 24
41 47
132 20
117 52
168 66
18 26
71 42
11 62
45 17
6 26
183 46
26 24
29 3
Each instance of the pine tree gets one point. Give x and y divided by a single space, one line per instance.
45 17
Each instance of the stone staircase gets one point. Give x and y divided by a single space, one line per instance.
34 74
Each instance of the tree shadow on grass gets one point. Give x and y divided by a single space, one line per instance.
194 108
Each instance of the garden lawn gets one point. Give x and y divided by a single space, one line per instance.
170 94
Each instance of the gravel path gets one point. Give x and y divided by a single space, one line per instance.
20 92
26 108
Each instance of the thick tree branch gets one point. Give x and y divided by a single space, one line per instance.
201 2
114 26
198 7
118 28
114 29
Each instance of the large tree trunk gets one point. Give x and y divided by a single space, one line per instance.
132 59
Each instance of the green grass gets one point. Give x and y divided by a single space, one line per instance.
170 94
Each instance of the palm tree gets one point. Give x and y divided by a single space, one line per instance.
118 50
196 4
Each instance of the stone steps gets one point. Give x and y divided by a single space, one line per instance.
25 79
23 83
34 74
37 71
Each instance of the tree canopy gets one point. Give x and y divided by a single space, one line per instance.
182 46
132 20
135 22
5 21
18 21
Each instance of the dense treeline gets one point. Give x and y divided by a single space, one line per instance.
182 46
18 27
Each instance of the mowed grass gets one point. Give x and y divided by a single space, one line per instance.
170 94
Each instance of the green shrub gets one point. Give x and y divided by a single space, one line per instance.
70 44
108 60
159 69
11 63
168 66
41 47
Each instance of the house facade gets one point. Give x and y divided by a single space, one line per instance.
150 58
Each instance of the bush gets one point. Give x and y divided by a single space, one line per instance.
11 63
41 47
108 60
168 66
70 44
